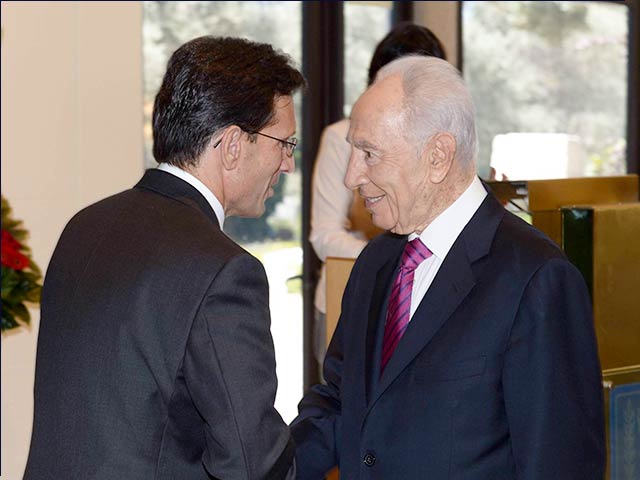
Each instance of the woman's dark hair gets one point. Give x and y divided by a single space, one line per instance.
405 39
214 82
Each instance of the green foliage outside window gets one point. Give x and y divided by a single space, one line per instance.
552 67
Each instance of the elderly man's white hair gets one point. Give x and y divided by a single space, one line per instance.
436 100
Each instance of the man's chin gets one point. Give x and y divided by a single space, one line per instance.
254 213
398 229
381 223
258 213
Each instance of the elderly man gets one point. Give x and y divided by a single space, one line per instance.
465 348
155 358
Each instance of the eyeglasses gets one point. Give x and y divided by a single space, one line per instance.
289 144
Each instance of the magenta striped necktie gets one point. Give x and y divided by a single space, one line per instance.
415 252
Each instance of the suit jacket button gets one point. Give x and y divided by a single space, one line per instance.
369 460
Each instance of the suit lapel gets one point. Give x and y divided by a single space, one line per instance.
169 185
450 287
452 284
377 313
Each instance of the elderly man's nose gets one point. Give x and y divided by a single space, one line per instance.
354 176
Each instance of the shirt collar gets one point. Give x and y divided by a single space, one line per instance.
441 234
198 185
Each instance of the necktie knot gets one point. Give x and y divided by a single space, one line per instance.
415 252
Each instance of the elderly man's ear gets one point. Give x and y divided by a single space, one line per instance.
440 151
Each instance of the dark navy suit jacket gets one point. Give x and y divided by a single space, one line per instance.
496 377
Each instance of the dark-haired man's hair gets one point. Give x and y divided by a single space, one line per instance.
405 39
214 82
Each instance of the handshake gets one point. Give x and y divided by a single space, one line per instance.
465 347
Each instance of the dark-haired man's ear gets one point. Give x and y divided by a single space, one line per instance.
231 146
441 150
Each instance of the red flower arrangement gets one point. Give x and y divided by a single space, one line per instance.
11 256
20 275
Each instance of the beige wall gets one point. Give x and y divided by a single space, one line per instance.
442 19
71 134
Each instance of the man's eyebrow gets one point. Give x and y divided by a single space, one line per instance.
363 144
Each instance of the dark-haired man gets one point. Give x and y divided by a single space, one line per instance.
155 358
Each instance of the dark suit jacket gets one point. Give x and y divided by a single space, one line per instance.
496 377
155 358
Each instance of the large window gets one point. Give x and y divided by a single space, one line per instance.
275 238
365 24
549 80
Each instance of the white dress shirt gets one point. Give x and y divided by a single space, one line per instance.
440 236
198 185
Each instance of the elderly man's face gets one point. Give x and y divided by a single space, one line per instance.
386 170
